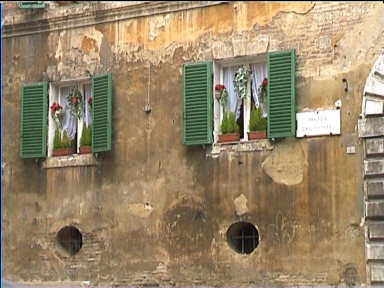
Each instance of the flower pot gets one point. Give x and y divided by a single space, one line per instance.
233 137
85 149
63 151
257 135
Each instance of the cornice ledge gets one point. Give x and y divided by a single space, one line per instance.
97 14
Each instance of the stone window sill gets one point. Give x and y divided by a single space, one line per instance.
243 146
70 161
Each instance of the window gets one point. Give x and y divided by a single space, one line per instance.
243 237
70 239
73 118
40 133
203 113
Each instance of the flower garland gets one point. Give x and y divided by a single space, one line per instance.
57 114
75 101
240 81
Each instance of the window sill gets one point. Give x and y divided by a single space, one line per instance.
70 161
245 146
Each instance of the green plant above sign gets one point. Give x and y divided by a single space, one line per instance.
86 136
256 121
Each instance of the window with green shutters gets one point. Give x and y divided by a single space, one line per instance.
90 125
197 104
281 94
203 113
33 124
102 113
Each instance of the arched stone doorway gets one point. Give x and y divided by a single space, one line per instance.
371 131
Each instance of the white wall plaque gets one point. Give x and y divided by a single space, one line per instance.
316 123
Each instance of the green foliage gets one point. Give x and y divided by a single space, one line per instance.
229 124
256 121
57 140
86 136
75 101
240 81
66 141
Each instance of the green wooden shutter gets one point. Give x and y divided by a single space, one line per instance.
197 103
33 124
281 94
102 113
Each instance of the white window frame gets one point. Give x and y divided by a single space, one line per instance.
54 96
218 78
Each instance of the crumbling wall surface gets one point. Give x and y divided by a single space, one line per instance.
156 212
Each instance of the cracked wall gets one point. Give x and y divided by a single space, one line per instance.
155 212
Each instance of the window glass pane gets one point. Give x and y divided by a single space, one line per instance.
87 107
70 120
228 76
259 73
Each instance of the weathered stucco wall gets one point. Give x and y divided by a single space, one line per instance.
156 211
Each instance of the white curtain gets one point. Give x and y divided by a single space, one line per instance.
259 72
234 104
87 108
70 120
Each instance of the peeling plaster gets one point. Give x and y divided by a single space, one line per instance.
143 210
241 205
75 52
286 163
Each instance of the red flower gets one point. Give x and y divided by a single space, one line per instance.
219 87
55 107
265 82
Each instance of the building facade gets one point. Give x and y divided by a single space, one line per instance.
160 200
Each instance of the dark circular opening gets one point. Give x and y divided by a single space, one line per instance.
243 237
70 239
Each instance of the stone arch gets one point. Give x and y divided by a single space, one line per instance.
371 131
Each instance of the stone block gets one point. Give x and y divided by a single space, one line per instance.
377 272
374 146
375 86
374 188
373 107
373 167
374 208
376 231
371 127
375 251
379 65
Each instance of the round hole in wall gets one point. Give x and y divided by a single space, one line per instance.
70 239
243 237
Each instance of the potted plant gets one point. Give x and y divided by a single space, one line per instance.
257 125
62 145
229 128
86 140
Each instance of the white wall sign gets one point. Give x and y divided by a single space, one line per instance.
316 123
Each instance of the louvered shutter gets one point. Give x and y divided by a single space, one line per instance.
102 113
33 124
197 103
281 94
